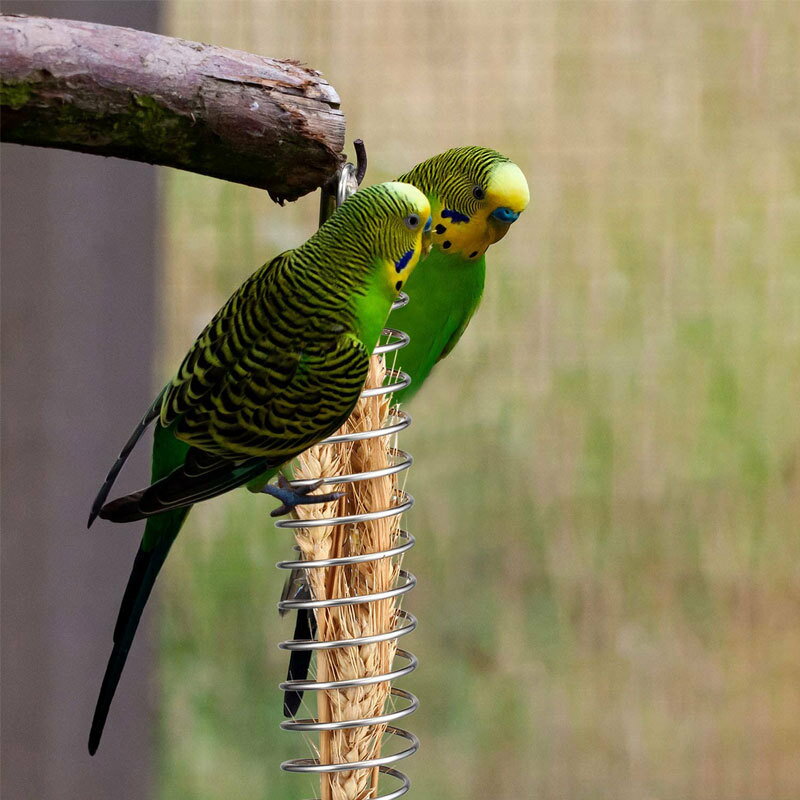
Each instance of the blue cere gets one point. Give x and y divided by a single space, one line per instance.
403 262
505 214
456 216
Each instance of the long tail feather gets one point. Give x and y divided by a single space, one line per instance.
146 567
299 661
159 534
149 416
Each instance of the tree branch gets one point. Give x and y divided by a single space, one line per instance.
275 125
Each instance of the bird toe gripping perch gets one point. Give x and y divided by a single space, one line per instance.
404 622
292 495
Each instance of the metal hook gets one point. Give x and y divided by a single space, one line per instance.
344 183
347 183
361 160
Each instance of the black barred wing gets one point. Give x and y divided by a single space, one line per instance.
277 412
276 370
235 328
235 439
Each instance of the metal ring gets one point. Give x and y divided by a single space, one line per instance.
401 301
347 185
352 683
403 380
312 765
363 722
330 644
401 340
353 477
409 582
404 420
367 516
402 536
404 788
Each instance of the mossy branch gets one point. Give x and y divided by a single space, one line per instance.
111 91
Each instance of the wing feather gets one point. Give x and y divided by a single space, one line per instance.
262 383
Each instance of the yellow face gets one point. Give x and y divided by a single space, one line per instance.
493 209
414 231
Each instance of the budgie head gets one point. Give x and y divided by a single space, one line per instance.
475 193
391 224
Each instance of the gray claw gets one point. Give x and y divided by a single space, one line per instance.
295 496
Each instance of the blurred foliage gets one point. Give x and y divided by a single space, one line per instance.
607 469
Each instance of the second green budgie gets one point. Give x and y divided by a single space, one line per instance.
476 194
279 368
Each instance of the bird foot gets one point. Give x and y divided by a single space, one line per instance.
291 496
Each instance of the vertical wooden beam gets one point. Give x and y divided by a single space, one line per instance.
79 269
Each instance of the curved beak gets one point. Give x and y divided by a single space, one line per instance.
500 221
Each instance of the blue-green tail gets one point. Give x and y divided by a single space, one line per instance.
159 534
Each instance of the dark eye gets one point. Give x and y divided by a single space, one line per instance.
412 221
478 193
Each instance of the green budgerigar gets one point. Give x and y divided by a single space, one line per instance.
475 195
279 368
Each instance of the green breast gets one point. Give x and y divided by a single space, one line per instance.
371 308
444 291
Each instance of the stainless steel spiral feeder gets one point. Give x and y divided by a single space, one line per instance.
405 662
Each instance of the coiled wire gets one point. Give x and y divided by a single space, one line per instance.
405 622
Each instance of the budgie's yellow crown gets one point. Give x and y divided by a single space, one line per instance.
508 188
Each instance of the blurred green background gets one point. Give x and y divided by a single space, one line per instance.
607 469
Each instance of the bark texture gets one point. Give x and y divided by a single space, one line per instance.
112 91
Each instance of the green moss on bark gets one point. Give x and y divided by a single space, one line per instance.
14 95
145 125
